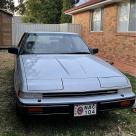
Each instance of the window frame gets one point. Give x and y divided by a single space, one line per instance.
118 17
101 21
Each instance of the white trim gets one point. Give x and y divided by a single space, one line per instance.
129 16
96 31
73 19
131 32
92 6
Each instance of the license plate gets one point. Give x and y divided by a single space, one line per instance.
85 110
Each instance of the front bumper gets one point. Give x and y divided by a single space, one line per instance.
68 108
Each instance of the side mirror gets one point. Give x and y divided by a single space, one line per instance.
94 50
13 50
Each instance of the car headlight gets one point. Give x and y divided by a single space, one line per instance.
25 95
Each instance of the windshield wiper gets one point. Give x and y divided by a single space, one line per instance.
29 53
80 52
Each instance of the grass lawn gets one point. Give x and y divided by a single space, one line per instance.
115 123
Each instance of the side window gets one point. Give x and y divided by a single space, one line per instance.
22 43
97 20
22 40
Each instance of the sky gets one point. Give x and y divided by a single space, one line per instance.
81 2
16 2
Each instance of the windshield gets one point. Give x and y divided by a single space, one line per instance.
53 44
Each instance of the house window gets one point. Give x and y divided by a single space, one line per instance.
127 16
97 20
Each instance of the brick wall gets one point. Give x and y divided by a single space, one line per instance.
5 29
118 47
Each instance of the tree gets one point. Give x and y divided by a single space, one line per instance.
67 4
21 7
43 11
7 4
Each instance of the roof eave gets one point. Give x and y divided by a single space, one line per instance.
92 6
7 12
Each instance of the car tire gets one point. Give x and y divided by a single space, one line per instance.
19 113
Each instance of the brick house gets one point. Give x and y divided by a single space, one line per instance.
5 28
109 25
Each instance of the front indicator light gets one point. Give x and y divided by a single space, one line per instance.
35 109
28 95
125 103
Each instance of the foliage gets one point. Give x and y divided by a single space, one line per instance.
67 4
21 7
7 5
133 81
43 11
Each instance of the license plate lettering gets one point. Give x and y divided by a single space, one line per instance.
85 110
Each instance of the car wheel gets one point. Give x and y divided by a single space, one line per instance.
19 113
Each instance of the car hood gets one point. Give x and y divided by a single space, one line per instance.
69 72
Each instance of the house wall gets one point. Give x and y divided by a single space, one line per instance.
5 29
118 47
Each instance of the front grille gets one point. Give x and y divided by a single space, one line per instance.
76 94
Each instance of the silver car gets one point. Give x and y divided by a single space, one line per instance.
56 73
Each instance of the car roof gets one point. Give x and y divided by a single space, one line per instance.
70 33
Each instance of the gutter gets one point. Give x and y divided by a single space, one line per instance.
92 6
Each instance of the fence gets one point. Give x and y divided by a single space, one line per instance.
19 28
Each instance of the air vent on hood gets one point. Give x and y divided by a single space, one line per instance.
76 94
